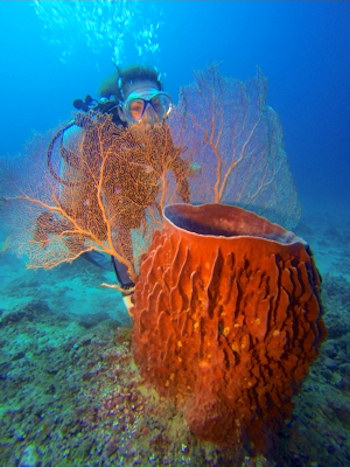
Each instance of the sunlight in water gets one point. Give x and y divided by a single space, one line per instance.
120 26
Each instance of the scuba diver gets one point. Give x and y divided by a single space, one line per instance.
133 96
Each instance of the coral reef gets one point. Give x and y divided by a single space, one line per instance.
253 317
71 395
227 320
68 390
222 144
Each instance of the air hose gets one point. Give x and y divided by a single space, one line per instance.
80 120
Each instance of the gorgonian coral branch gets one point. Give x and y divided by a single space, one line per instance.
236 139
111 189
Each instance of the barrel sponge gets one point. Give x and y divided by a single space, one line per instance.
227 326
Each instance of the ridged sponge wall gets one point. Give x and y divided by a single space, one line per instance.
227 320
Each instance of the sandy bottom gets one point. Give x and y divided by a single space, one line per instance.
71 394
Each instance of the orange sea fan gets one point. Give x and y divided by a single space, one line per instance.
106 193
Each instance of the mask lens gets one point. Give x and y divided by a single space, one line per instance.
136 108
161 104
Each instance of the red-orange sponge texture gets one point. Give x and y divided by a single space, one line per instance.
227 326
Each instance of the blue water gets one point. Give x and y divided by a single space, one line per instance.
302 47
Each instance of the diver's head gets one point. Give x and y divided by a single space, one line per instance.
142 98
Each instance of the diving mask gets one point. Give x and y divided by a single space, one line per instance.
156 104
